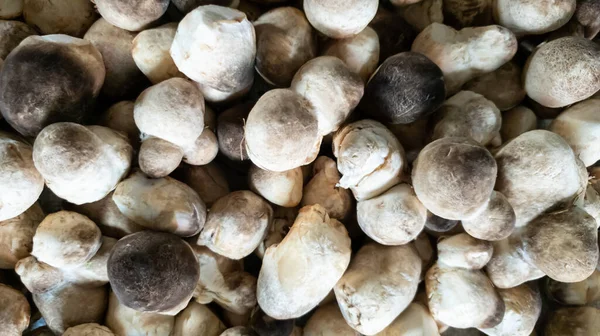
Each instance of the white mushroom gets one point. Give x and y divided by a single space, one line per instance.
70 17
280 188
14 311
151 53
464 251
131 16
495 222
88 329
197 319
16 236
415 319
526 18
327 320
360 52
340 19
126 321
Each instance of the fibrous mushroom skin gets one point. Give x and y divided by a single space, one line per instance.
70 17
525 17
14 311
584 321
507 77
369 157
197 319
494 223
517 121
464 251
379 284
360 52
12 33
415 319
465 54
126 321
538 171
328 321
300 271
280 188
88 329
16 236
29 100
133 16
340 19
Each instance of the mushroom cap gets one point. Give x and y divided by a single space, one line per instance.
10 9
238 331
525 17
120 118
123 320
39 277
199 319
12 32
582 293
88 329
327 320
360 52
282 131
423 13
230 131
236 224
464 251
507 77
454 177
21 183
393 218
562 72
133 16
415 319
496 222
395 34
158 158
280 188
31 73
460 14
517 121
331 88
70 17
586 14
340 19
186 6
204 149
208 181
151 53
172 110
565 321
153 272
16 236
66 239
15 312
81 164
406 87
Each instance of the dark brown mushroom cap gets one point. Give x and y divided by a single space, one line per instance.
153 271
405 88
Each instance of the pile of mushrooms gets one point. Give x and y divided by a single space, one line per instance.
289 168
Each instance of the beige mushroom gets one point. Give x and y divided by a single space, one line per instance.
131 16
197 319
581 293
230 132
283 218
460 14
507 77
10 9
523 305
584 321
340 19
464 251
360 52
158 158
70 17
327 320
238 331
280 188
495 222
14 311
16 236
151 53
437 226
126 321
517 121
299 272
88 329
208 181
120 118
423 13
526 18
11 32
415 319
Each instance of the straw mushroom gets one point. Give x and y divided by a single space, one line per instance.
10 9
126 321
280 188
328 321
12 32
208 181
120 118
464 251
507 77
565 321
360 52
14 311
581 293
197 319
340 19
496 222
460 14
16 236
527 18
517 121
88 329
69 17
230 131
415 319
133 16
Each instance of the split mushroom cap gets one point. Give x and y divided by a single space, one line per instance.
300 271
465 54
31 73
236 224
581 293
186 6
423 13
208 181
153 272
395 217
216 47
584 321
563 71
133 16
197 319
88 329
331 88
16 236
406 87
517 121
10 9
369 157
340 19
12 32
282 131
81 164
158 158
284 41
579 126
454 177
120 118
360 52
327 320
463 298
14 311
126 321
163 204
151 53
468 114
538 171
525 17
460 14
496 222
70 17
464 251
230 131
502 86
280 188
21 183
379 284
415 319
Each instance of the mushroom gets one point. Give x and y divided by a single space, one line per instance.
126 321
14 311
405 88
379 284
81 164
458 53
131 16
284 41
69 17
282 131
204 150
186 6
591 203
496 222
402 3
238 331
320 81
16 236
340 20
460 14
538 171
161 204
197 319
10 9
283 218
210 42
462 298
21 183
88 329
395 34
369 157
437 226
230 131
360 52
120 118
581 293
454 177
143 268
507 77
12 32
587 16
251 8
123 78
327 320
562 72
517 121
579 320
579 126
395 217
29 100
423 13
264 325
464 251
415 319
468 114
236 224
280 188
208 181
323 189
298 273
529 18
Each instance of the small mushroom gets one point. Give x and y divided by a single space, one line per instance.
415 319
583 321
16 236
587 15
14 311
379 284
69 17
264 325
131 16
464 251
280 188
327 320
29 100
158 158
300 271
10 9
230 131
581 293
496 222
360 52
369 157
423 13
215 46
460 14
524 17
120 118
88 329
405 88
507 77
283 218
236 224
340 19
437 226
517 121
208 181
203 150
126 321
12 32
458 53
143 268
197 319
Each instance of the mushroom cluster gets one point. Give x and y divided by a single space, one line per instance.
299 167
